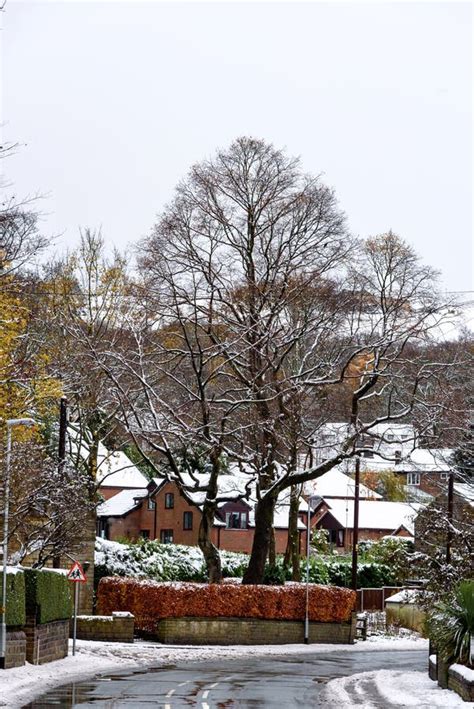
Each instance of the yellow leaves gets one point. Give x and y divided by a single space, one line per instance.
25 384
360 366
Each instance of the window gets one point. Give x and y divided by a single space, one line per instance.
169 500
413 478
187 520
398 456
166 536
444 476
390 437
236 520
151 504
367 454
145 533
336 536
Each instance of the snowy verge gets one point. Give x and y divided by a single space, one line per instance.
391 688
23 684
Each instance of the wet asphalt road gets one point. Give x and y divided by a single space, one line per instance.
284 682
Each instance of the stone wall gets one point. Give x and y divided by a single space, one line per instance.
16 649
461 685
47 642
242 631
117 627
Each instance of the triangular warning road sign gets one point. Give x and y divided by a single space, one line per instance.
76 573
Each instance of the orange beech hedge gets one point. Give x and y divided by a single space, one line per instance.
149 601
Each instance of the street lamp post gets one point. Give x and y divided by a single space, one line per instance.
6 500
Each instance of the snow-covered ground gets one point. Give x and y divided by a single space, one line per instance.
20 685
391 688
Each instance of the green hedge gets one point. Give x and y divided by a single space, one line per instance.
47 594
15 598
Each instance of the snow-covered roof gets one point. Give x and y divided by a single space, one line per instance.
465 490
121 503
375 514
399 431
114 468
432 459
117 470
335 483
408 595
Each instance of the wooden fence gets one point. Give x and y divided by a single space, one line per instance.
373 599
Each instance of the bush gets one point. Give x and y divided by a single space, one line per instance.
150 601
394 553
175 562
369 574
274 575
161 562
15 612
48 595
451 625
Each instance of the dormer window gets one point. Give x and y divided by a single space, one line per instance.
236 520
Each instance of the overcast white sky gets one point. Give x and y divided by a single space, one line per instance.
114 101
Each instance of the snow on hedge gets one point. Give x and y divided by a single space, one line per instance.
162 562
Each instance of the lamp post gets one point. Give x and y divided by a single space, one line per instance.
11 423
308 537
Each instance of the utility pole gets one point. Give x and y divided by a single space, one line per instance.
449 533
355 531
62 433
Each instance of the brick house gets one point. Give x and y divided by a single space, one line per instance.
393 447
332 508
377 519
159 511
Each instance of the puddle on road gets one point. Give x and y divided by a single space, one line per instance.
75 693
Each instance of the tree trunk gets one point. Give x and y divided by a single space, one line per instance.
292 553
210 552
261 540
272 548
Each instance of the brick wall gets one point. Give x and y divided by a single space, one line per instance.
242 539
47 642
241 631
15 649
117 627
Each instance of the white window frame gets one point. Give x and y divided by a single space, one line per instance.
413 479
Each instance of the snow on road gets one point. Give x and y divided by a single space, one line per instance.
390 688
22 684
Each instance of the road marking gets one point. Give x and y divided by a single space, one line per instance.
205 694
181 684
167 706
170 693
211 686
205 705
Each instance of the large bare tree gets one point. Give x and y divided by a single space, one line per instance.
259 315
